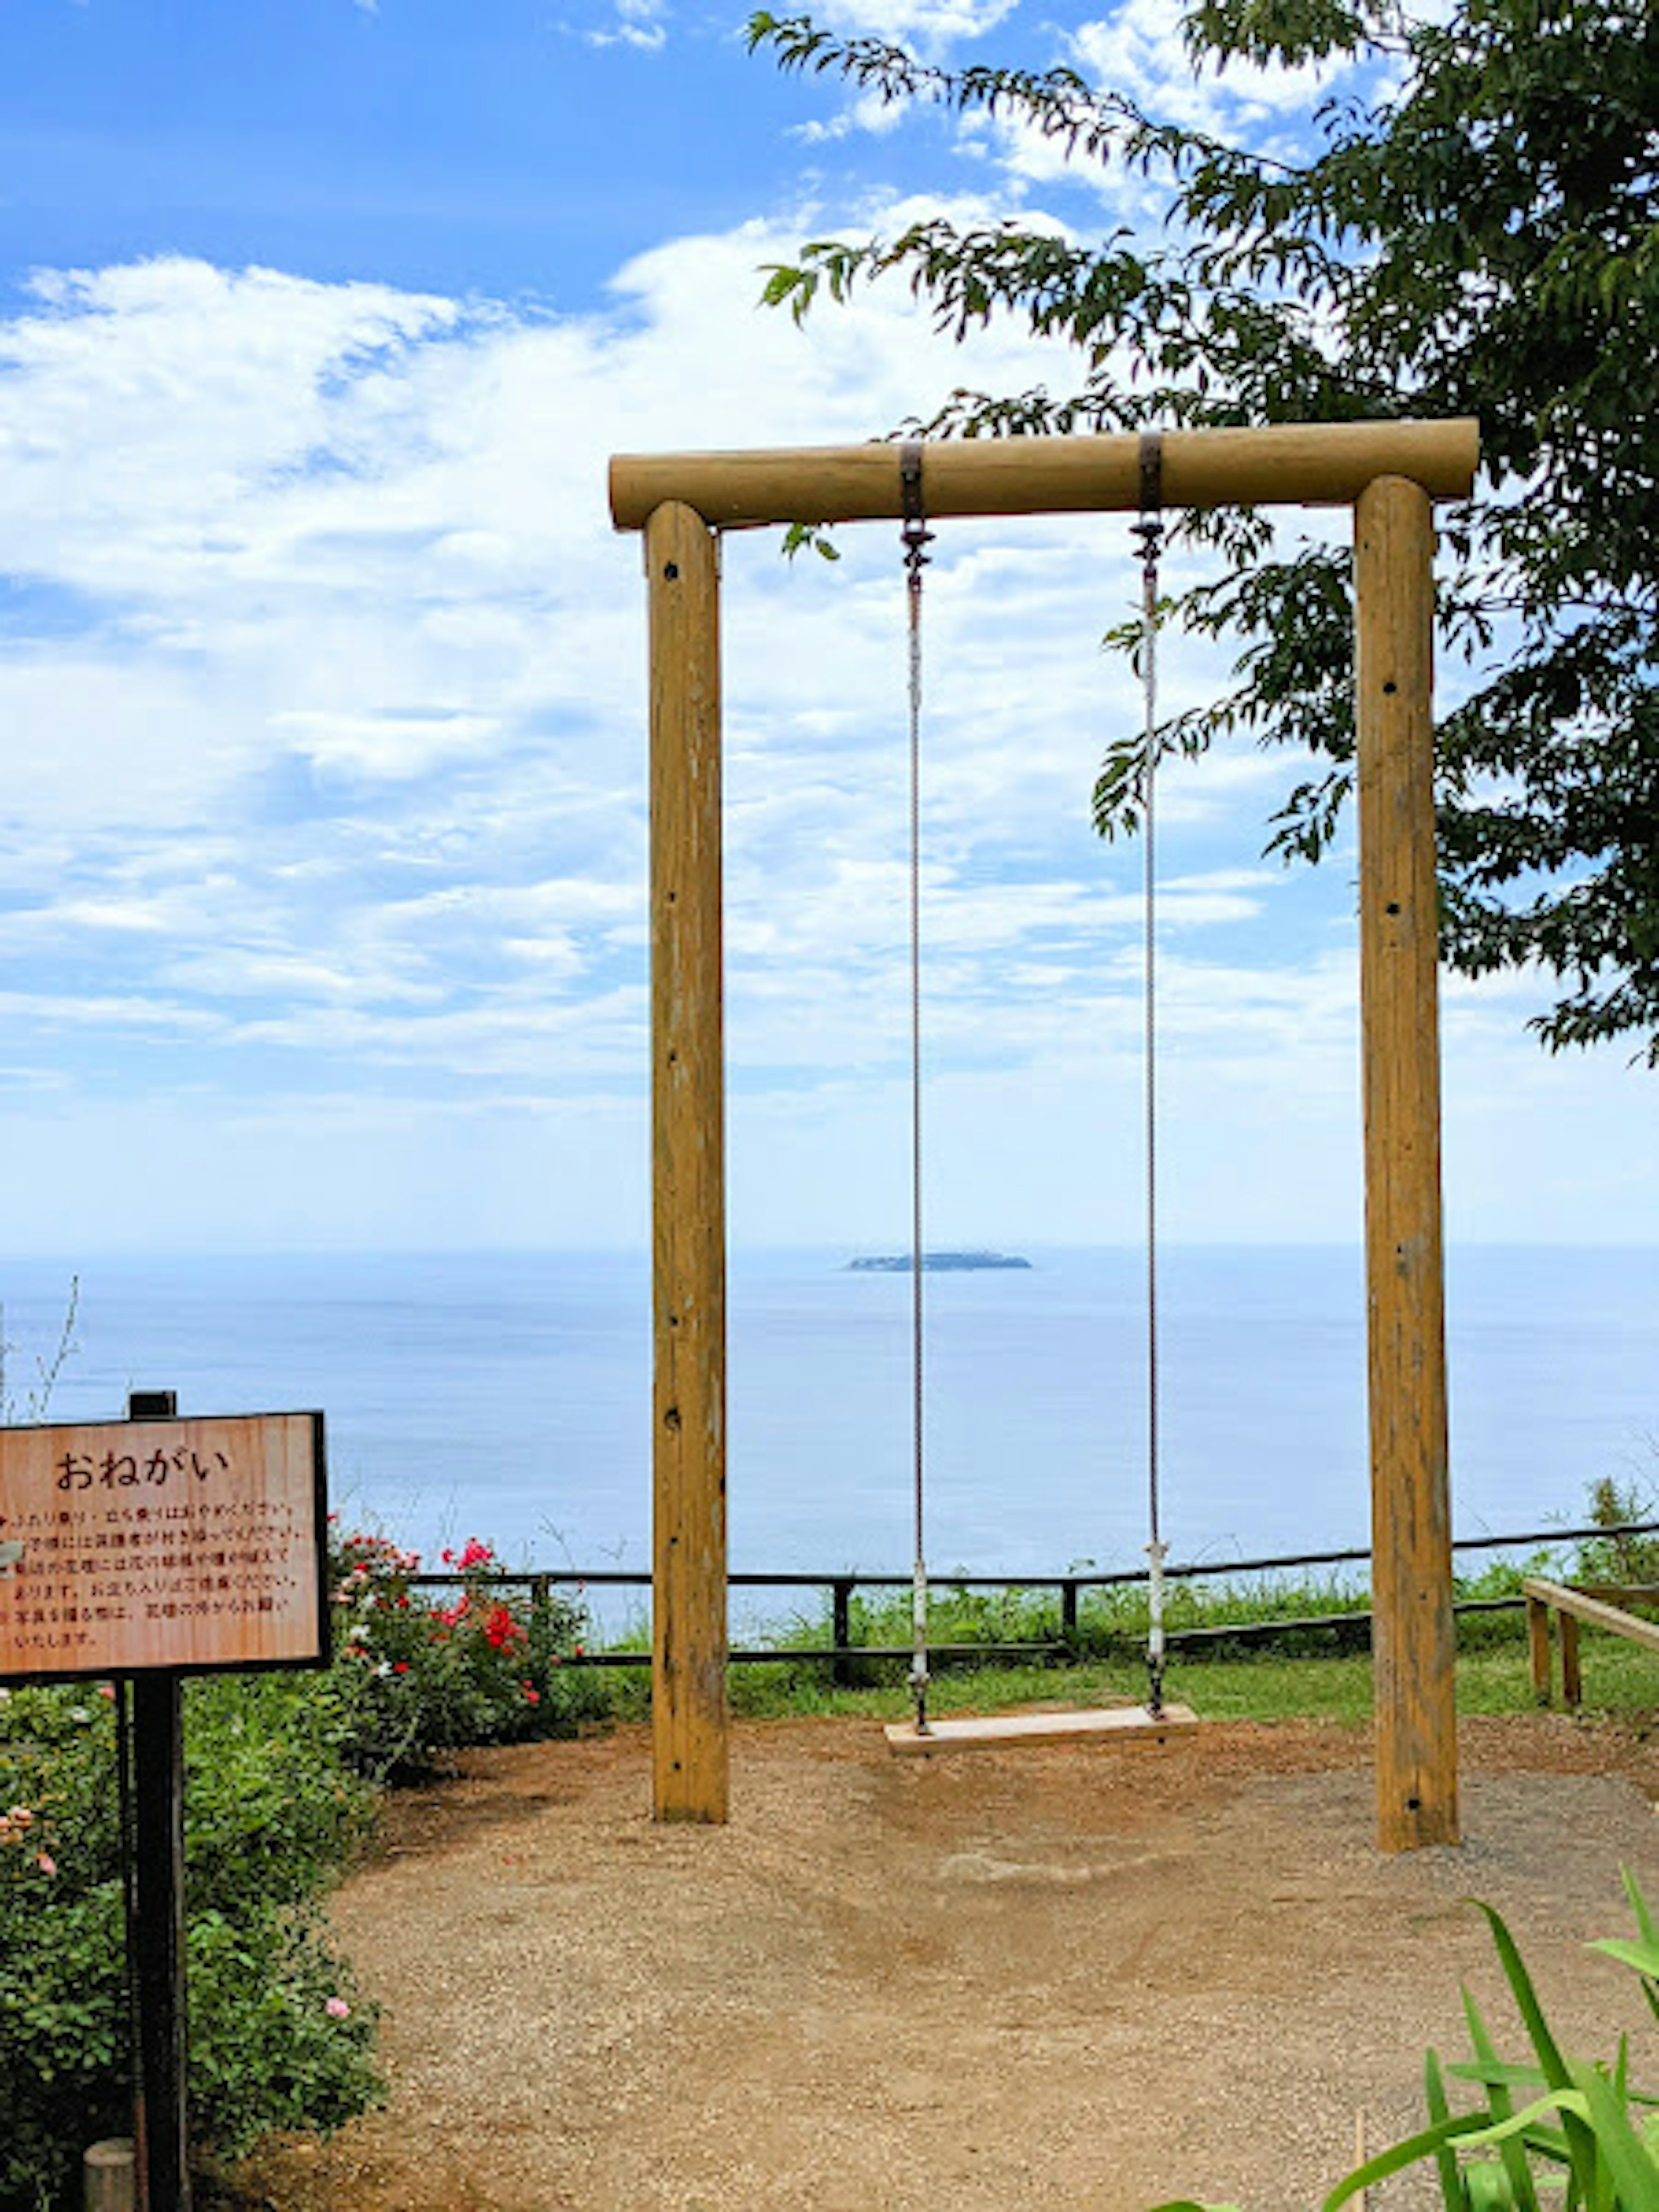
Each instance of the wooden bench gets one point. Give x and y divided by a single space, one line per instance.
1603 1605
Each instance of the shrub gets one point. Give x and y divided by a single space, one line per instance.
270 1811
417 1674
280 1769
1619 1558
280 2037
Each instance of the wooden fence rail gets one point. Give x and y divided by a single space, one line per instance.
843 1657
1601 1605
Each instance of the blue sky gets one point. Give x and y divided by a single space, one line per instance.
322 858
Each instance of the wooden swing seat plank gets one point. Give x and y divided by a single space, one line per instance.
1110 1724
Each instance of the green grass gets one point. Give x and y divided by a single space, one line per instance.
1618 1679
1303 1677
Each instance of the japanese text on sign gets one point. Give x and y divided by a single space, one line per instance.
184 1544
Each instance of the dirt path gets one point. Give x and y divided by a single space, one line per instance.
1014 1979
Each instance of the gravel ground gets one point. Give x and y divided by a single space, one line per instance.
1005 1980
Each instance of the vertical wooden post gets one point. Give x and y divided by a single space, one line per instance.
689 1713
108 2183
1414 1638
1538 1648
1572 1678
841 1630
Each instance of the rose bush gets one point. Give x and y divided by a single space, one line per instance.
271 1813
419 1672
280 1769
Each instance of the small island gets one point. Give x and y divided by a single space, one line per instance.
933 1263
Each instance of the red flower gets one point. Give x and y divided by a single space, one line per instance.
532 1696
501 1629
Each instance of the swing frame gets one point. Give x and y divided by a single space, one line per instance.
1391 473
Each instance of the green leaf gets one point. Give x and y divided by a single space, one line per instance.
1440 2112
1514 2158
1626 2156
1645 1924
1479 237
1427 2143
1644 1957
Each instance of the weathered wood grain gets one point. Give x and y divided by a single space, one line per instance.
690 1733
1414 1638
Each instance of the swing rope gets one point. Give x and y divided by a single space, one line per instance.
916 539
1150 531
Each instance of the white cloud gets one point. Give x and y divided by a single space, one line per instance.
929 24
325 806
1136 51
868 114
1139 51
642 24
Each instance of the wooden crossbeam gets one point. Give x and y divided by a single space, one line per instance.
1594 1610
1104 1724
1287 464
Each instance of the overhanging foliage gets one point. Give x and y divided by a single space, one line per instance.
1484 240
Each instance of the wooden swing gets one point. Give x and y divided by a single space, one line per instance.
1389 474
1104 1725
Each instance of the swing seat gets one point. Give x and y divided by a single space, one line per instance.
1102 1724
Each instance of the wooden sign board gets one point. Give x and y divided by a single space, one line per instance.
189 1544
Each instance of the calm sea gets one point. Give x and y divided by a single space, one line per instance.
507 1395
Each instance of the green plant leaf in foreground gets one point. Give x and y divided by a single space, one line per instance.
1627 2158
1440 2112
1580 2142
1513 2156
1644 1957
1645 1924
1428 2143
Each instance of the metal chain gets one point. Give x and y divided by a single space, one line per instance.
916 538
1150 532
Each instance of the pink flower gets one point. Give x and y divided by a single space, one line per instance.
475 1554
337 2009
46 1862
107 1689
